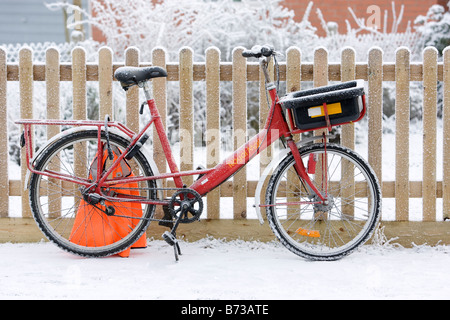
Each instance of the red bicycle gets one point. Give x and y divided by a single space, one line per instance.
94 189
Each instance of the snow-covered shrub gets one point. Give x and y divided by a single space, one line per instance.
199 24
434 28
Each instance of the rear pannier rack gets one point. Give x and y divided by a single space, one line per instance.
325 107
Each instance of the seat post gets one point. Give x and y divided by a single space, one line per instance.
147 90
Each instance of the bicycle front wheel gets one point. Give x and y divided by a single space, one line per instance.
72 218
324 230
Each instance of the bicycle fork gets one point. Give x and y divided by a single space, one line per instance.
302 172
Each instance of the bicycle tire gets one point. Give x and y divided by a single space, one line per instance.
57 225
318 231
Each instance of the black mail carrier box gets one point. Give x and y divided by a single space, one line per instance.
343 101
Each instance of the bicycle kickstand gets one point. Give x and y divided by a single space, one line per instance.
171 239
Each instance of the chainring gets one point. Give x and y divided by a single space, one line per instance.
186 205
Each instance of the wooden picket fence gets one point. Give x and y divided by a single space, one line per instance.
294 71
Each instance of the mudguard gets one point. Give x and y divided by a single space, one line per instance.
272 165
116 131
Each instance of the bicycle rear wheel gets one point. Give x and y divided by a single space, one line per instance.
319 230
75 222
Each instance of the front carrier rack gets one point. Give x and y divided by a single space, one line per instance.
325 107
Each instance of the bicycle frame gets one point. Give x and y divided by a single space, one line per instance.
275 127
322 200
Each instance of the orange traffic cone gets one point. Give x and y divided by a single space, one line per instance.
93 228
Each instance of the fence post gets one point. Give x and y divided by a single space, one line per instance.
239 79
4 178
446 135
26 112
429 133
186 113
213 124
375 111
402 72
132 115
52 77
105 78
348 71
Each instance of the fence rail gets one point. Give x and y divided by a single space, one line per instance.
294 71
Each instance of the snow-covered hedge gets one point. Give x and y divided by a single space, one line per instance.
224 24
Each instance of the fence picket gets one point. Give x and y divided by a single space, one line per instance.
79 83
79 110
402 73
265 155
160 96
320 77
4 177
446 135
132 115
52 88
293 83
293 69
239 130
186 113
375 111
105 78
213 124
26 112
430 56
348 72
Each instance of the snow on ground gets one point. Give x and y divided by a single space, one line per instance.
220 270
215 269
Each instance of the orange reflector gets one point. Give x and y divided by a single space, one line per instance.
308 233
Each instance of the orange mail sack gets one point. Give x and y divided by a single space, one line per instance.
93 228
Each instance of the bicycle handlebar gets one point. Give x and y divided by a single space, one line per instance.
259 51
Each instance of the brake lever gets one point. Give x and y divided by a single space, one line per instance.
266 50
278 54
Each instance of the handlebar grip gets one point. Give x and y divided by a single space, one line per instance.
258 52
249 54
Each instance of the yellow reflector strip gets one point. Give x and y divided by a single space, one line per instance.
333 108
308 233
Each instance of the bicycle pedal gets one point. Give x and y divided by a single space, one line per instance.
169 238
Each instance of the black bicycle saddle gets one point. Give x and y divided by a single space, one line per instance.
130 76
